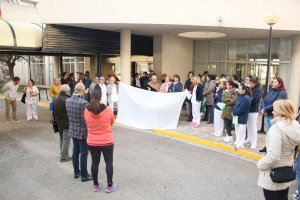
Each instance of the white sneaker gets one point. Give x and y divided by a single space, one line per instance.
225 138
229 139
218 135
253 147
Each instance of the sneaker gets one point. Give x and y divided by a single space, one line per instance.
96 188
86 178
113 188
229 139
218 135
225 138
253 147
16 121
65 159
196 126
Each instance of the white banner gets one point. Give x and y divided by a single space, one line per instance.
149 110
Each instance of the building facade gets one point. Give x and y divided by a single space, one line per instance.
223 37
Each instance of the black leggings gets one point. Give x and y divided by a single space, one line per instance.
228 126
108 158
276 195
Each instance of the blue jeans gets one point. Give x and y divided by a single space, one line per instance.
297 167
209 113
267 122
80 147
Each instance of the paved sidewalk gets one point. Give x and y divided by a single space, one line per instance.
201 136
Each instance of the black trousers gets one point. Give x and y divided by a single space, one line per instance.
228 125
276 195
107 152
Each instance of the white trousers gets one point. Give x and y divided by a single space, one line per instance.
240 131
112 105
218 122
31 112
252 128
196 112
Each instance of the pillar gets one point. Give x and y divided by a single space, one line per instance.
125 54
293 88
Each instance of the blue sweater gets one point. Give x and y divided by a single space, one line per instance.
273 95
241 108
175 87
257 94
218 98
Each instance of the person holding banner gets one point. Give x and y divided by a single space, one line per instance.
219 106
112 92
241 111
196 101
153 85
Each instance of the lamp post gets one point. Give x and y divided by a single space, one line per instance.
270 18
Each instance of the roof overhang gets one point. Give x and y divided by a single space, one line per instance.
20 36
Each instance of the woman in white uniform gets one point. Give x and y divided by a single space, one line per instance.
31 98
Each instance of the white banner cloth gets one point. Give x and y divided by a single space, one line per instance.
149 110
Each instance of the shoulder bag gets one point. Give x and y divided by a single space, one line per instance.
284 174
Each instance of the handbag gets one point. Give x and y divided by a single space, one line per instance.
23 98
54 124
284 174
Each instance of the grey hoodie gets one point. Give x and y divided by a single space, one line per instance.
281 140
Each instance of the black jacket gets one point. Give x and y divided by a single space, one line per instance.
199 92
60 112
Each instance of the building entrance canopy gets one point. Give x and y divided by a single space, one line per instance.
20 36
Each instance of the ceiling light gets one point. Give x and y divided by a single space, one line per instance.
201 34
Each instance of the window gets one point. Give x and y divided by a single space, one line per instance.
73 65
37 69
243 57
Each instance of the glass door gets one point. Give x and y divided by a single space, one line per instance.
260 70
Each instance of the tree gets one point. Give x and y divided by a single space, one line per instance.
10 61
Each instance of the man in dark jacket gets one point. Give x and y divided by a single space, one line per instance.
61 118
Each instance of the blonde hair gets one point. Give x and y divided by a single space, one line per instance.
286 109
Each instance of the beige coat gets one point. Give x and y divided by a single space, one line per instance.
281 141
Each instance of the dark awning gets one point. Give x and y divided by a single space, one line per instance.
75 40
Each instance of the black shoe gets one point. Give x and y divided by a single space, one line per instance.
77 175
86 178
65 159
189 120
263 150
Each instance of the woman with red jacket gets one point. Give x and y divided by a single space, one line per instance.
99 120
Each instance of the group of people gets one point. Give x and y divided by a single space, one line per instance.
109 87
89 123
83 111
228 104
150 82
29 98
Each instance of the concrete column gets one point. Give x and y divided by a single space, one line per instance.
125 54
294 81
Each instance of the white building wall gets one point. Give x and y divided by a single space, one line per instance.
234 13
173 55
21 70
293 88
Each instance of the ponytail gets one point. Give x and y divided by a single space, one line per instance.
94 106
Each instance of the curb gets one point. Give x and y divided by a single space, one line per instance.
208 143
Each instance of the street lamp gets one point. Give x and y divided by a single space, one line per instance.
270 18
